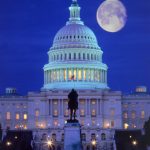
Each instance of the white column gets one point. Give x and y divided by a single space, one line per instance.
86 74
77 74
82 73
48 76
67 74
97 105
59 108
102 76
51 107
86 106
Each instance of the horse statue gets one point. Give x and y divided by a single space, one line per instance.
73 103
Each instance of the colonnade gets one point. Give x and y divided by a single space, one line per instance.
75 74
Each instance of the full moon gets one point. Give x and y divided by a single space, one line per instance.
111 15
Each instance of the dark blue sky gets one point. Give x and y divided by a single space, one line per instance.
27 29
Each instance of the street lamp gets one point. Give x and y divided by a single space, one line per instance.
134 143
49 143
93 144
8 143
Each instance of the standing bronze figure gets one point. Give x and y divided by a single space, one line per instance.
73 103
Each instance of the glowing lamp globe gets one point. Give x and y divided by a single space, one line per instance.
111 15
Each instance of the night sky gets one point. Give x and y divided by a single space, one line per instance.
27 29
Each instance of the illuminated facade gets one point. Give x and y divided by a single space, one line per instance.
75 61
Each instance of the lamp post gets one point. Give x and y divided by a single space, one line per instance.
93 142
49 143
134 144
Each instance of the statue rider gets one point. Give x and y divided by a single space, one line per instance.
73 103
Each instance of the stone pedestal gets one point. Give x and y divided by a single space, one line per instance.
72 136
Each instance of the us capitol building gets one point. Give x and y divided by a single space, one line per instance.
75 61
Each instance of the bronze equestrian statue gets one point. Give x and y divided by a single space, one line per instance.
73 103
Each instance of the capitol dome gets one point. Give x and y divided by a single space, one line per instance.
75 58
75 35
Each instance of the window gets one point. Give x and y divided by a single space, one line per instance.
142 114
65 56
65 74
57 57
93 122
66 113
126 126
88 56
55 102
74 56
91 56
79 74
61 57
125 115
37 113
25 116
82 102
17 116
93 102
112 123
70 56
55 122
54 137
103 136
112 112
93 113
8 116
75 74
79 56
55 113
62 137
83 137
82 122
84 74
70 74
133 115
82 112
93 136
83 56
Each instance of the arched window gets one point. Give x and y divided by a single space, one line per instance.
83 137
54 137
61 56
93 136
94 57
62 137
103 136
91 56
65 56
83 56
74 56
88 57
37 112
79 56
69 56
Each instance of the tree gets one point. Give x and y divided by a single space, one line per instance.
147 132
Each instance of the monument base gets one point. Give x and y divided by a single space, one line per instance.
72 136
